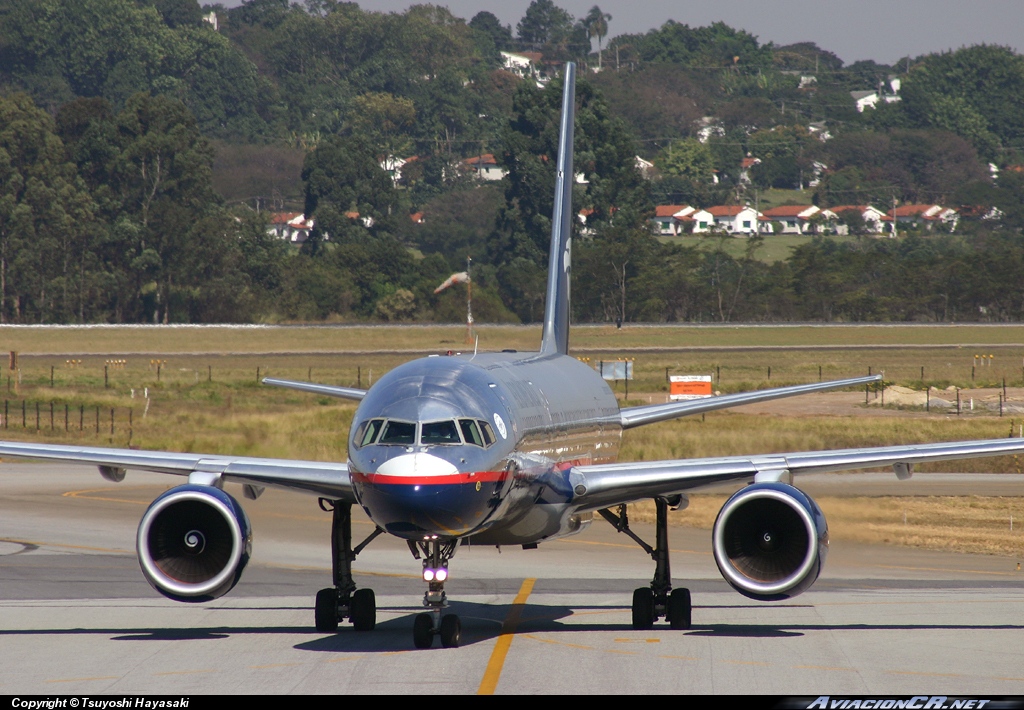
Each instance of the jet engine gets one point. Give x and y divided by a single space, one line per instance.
193 543
770 541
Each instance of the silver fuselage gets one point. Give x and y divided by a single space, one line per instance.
547 413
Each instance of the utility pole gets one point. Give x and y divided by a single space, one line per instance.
469 300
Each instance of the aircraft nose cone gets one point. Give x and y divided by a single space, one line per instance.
417 465
418 494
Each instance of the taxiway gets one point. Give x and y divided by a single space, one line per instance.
76 615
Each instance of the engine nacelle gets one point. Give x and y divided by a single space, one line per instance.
194 543
770 541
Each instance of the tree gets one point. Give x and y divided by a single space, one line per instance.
164 174
975 92
487 24
45 214
687 158
806 57
343 175
615 194
543 23
179 13
596 23
384 118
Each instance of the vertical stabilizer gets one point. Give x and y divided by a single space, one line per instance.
556 306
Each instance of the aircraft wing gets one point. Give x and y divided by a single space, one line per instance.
650 413
328 480
604 485
329 390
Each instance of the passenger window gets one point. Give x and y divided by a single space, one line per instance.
471 432
368 432
488 433
439 433
398 433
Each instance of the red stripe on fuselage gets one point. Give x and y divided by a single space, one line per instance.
450 479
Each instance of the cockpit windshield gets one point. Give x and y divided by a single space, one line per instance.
447 432
369 431
443 432
471 432
395 432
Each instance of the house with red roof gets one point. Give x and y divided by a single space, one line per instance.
872 217
795 219
485 166
922 217
290 226
734 219
669 219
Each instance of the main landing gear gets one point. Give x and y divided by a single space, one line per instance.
435 555
343 600
658 600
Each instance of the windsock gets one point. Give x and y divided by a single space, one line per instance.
459 278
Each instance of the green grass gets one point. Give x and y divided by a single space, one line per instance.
773 198
776 247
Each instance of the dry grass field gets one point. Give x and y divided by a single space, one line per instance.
974 524
196 389
417 338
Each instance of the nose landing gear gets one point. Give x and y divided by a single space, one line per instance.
435 555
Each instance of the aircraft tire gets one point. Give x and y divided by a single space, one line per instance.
363 610
451 631
423 631
326 610
679 609
643 608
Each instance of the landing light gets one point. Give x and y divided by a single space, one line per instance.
435 575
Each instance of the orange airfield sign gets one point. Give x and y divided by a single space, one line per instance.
689 386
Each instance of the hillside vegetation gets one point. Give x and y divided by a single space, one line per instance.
144 152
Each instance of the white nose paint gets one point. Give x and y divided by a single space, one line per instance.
418 464
500 423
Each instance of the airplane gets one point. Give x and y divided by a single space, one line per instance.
509 448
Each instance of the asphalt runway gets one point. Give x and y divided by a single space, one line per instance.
76 615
